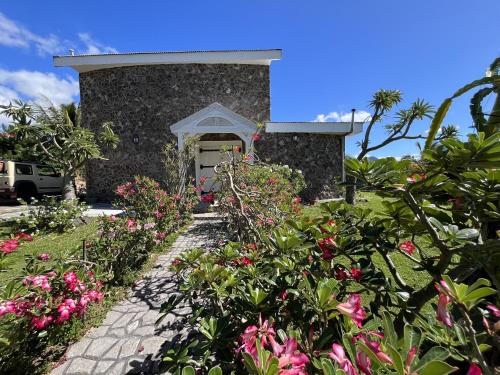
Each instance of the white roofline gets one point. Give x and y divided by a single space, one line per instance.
338 128
86 63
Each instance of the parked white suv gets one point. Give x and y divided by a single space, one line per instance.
19 179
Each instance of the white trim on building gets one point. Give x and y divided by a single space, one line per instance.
87 63
334 128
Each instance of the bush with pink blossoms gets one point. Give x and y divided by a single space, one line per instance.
40 308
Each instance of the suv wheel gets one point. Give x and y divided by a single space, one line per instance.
26 192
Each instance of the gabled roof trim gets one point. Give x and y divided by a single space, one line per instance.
191 123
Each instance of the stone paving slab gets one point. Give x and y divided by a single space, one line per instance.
128 341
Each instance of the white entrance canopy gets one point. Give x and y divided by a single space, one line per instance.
214 119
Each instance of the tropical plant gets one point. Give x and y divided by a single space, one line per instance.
382 103
50 214
60 137
488 127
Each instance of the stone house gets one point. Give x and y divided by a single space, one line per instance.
220 96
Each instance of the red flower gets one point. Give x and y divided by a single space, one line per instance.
341 273
326 245
41 322
408 247
176 262
283 295
256 137
356 274
474 370
297 200
352 309
23 236
208 198
409 358
203 179
443 315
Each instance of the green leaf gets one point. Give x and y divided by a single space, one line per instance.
437 121
389 331
398 361
215 371
189 370
433 354
475 296
437 368
327 367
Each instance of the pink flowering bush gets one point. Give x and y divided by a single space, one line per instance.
150 215
256 197
39 308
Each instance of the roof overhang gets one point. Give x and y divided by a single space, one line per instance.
87 63
226 121
334 128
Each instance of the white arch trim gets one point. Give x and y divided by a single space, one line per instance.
214 119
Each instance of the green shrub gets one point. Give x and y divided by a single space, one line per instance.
50 214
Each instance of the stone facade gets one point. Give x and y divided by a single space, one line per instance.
143 101
318 156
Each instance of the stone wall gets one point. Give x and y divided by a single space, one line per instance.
318 156
143 101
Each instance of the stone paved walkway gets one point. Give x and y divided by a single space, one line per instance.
128 342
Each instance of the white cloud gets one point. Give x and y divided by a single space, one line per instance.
15 35
359 116
92 47
33 85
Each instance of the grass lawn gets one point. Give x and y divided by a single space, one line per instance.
59 246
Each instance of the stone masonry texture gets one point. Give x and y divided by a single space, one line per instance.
143 101
128 340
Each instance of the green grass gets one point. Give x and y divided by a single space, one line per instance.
403 265
58 246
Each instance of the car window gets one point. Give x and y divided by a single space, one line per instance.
3 167
45 170
24 169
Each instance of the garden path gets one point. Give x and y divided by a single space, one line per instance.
128 342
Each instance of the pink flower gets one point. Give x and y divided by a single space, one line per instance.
203 179
408 247
41 322
252 333
338 355
65 310
374 346
9 246
148 226
356 274
474 370
70 277
208 198
43 257
494 310
95 295
364 363
409 358
176 262
352 309
443 315
42 281
131 225
290 361
297 200
7 307
256 137
245 260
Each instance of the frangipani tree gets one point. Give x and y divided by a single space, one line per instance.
60 137
382 103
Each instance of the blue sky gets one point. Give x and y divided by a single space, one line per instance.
335 53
